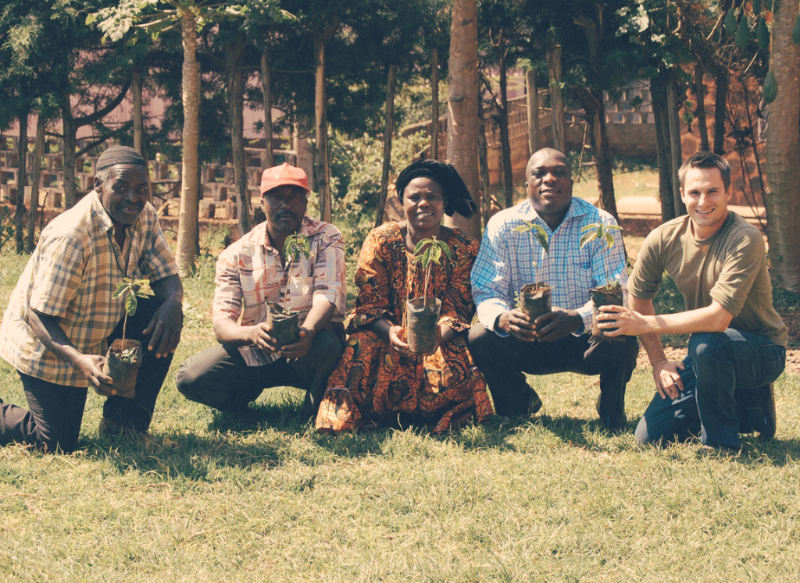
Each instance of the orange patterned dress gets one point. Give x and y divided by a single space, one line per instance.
373 383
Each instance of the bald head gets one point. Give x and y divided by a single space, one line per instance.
545 153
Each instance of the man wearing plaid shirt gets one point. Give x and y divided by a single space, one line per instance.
62 314
504 342
251 272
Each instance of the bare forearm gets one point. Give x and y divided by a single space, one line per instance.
713 318
651 342
229 332
319 316
52 335
168 289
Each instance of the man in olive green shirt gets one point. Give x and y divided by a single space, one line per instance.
737 346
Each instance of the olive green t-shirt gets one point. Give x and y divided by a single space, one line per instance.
729 267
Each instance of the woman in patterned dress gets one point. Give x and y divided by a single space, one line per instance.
378 378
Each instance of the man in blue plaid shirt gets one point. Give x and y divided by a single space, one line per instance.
505 343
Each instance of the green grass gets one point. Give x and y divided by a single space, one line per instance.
261 497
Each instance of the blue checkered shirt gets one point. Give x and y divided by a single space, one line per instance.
506 259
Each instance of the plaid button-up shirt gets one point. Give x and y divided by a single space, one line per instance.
506 259
72 276
249 274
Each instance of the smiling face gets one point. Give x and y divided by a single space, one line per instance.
123 192
285 207
423 203
549 186
706 200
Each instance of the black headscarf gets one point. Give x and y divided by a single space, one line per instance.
456 196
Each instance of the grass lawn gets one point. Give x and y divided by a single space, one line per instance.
261 497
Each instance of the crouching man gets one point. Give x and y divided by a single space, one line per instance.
737 346
252 272
62 314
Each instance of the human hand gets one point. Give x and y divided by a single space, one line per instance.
557 324
518 324
259 335
165 327
668 379
397 340
626 321
300 348
91 367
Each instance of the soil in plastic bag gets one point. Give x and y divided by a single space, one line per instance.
422 324
602 296
123 373
535 300
285 327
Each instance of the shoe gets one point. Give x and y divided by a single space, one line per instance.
616 423
765 397
109 427
721 451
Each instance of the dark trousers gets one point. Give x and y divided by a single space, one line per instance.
53 418
219 377
722 371
503 360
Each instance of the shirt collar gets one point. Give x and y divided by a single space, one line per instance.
577 208
262 239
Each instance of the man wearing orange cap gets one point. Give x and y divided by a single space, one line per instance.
252 272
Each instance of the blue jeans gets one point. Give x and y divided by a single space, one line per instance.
717 365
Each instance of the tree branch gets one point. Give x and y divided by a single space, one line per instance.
101 113
96 143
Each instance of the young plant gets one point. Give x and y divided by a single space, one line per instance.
537 234
603 234
131 289
427 252
295 246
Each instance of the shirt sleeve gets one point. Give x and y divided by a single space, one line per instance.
228 294
330 276
157 260
491 276
372 279
57 274
648 270
743 260
458 307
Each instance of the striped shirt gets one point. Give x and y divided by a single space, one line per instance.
72 276
249 273
506 260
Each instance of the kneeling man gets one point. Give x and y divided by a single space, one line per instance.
737 346
252 272
505 343
62 315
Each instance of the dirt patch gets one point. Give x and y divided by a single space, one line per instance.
792 358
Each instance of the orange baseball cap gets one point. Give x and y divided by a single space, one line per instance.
284 175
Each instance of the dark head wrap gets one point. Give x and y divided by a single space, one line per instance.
456 196
119 155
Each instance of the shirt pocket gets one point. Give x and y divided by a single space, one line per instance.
252 287
301 293
581 280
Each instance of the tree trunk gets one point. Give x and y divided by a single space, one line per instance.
69 129
462 110
388 130
700 110
592 103
533 111
235 88
321 123
483 164
138 124
269 160
187 228
665 191
676 151
720 103
505 144
434 103
783 152
22 180
38 153
556 100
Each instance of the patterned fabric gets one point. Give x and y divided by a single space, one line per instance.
250 273
72 276
506 259
373 382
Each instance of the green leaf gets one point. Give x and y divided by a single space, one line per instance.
588 227
730 22
770 87
421 245
762 33
756 6
591 236
613 228
436 254
446 249
522 228
541 235
796 31
130 304
742 34
609 240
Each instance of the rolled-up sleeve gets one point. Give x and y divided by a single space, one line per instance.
490 277
228 294
330 276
